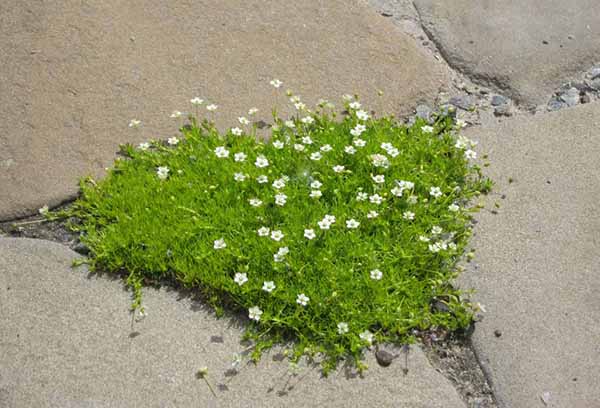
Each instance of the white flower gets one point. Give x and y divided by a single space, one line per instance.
379 179
326 148
278 144
261 161
463 143
316 184
338 168
412 199
144 146
302 299
452 246
172 141
436 230
162 172
268 286
316 194
279 183
263 231
350 149
300 106
307 140
453 207
276 83
281 253
362 115
376 274
309 234
240 278
254 313
352 224
397 191
262 179
212 107
221 152
386 146
329 218
372 214
354 105
324 224
408 215
252 111
359 142
196 101
460 123
290 124
379 160
255 202
435 248
236 131
307 120
299 147
406 185
342 328
427 129
361 196
423 238
376 199
243 120
393 152
240 157
435 192
280 199
176 114
316 156
295 99
470 154
277 235
358 130
135 123
43 210
367 337
219 244
347 97
239 177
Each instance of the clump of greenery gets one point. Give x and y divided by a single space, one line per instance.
338 232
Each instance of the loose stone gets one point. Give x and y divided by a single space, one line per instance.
498 100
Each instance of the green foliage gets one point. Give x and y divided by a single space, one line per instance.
369 280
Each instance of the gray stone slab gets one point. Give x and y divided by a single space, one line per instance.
528 48
73 75
537 261
65 342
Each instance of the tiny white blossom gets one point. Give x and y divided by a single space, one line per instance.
427 129
135 123
435 192
176 114
254 313
393 152
262 179
280 199
347 97
316 194
276 83
162 172
261 161
309 234
44 210
397 191
255 202
354 105
408 215
307 120
243 120
240 278
342 328
268 286
435 248
379 179
376 274
359 142
324 224
423 238
263 231
412 199
316 184
295 99
290 124
460 123
219 244
326 148
379 160
361 196
281 253
212 107
196 101
221 152
362 115
470 154
278 144
367 337
350 149
307 140
239 177
372 214
236 131
144 146
352 224
299 147
252 111
173 141
300 106
329 218
316 156
376 199
453 207
338 168
277 235
240 157
279 183
436 230
302 299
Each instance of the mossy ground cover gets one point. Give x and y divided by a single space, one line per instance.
339 231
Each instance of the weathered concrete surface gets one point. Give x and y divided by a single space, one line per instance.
536 269
65 341
74 73
502 42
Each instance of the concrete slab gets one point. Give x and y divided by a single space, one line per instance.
65 341
74 74
537 263
528 48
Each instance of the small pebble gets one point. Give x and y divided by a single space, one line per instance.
585 98
384 358
571 97
503 110
595 73
498 100
555 105
463 102
545 42
497 333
